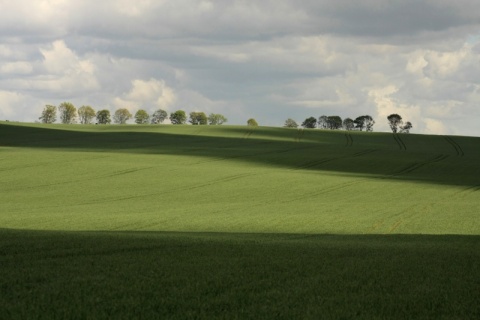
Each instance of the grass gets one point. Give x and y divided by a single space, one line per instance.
235 222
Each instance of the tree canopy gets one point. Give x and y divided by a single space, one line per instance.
103 117
290 123
198 118
121 116
86 114
178 117
216 119
252 122
49 114
159 116
395 121
364 122
348 124
310 123
141 117
68 112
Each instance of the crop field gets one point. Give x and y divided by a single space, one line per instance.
237 222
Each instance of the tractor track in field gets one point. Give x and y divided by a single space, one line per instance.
299 135
349 138
249 133
456 146
400 142
418 165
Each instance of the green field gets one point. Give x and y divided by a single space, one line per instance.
237 222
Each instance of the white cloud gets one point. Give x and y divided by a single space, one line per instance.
265 59
150 95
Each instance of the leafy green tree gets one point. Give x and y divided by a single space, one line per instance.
159 116
198 118
406 127
334 122
103 117
252 122
141 117
290 123
348 124
121 116
323 122
68 112
86 114
310 123
395 121
49 114
216 119
178 117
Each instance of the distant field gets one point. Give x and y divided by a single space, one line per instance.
305 223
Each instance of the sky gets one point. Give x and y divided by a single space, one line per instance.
270 60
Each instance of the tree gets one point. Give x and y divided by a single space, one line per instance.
121 116
310 123
159 116
49 114
141 117
348 124
216 119
252 122
369 122
198 118
395 121
334 122
103 117
68 112
364 122
323 122
86 114
406 127
290 123
178 117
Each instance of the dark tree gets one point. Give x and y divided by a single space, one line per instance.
290 123
310 123
178 117
323 122
103 117
348 124
406 127
334 122
159 116
198 118
49 114
252 122
364 122
369 122
395 121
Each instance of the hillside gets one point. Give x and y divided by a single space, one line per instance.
187 222
237 179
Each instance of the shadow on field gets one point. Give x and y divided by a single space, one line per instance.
268 276
421 158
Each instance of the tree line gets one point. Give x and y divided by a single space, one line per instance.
360 123
69 114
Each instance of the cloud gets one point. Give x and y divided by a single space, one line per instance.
270 60
151 94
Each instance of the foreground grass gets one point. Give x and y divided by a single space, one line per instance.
235 222
125 275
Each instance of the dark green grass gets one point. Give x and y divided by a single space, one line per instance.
150 275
